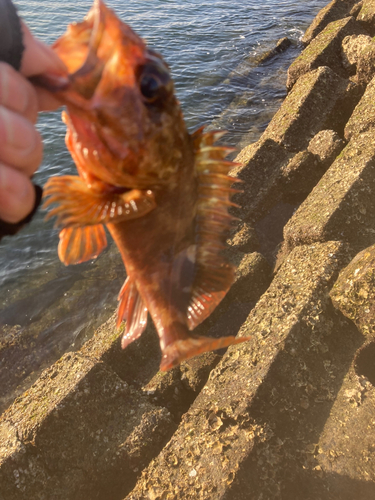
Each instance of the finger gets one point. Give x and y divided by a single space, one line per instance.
16 93
46 100
17 194
38 58
20 143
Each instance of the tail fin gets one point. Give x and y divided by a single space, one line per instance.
183 349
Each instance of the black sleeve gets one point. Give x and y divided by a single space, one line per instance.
11 44
11 50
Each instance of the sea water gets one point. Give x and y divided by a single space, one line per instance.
211 47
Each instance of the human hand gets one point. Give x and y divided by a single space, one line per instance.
20 143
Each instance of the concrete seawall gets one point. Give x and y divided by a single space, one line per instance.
289 414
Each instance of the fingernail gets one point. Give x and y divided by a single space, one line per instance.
17 131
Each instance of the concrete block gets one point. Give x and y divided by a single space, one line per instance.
80 432
306 109
346 448
253 276
366 16
306 168
337 9
326 145
299 177
136 364
354 291
324 50
260 165
342 204
195 371
352 47
358 54
363 117
244 238
251 431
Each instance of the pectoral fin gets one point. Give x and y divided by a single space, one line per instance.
78 205
80 244
132 309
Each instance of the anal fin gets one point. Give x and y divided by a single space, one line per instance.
78 205
132 309
201 305
80 244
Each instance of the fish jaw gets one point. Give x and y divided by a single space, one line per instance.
101 42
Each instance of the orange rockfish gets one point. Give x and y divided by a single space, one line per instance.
162 193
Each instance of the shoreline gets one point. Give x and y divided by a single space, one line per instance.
288 414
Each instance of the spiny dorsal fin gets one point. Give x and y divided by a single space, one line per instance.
133 311
214 275
80 244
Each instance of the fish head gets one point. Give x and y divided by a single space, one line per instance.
122 109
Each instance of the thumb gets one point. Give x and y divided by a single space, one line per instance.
38 58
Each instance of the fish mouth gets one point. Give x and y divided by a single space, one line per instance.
99 153
93 91
87 48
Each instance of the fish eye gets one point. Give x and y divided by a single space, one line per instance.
150 87
155 83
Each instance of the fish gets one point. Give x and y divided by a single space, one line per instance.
163 194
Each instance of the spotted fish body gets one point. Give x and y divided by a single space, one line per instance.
162 193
